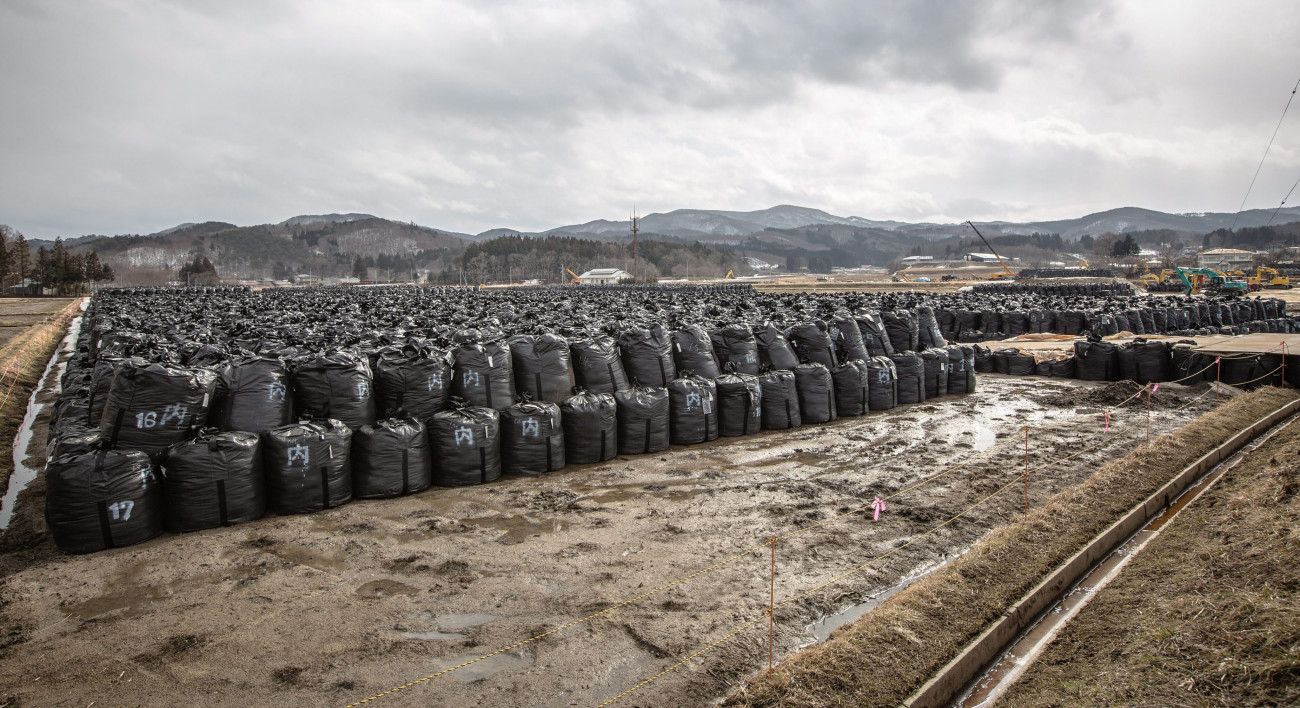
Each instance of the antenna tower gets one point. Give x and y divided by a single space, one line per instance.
636 259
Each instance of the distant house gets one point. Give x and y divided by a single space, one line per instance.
917 259
307 279
603 276
1225 259
26 286
985 258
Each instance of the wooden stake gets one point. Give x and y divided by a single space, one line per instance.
1149 392
1026 473
771 611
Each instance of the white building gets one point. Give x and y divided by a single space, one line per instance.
604 276
986 258
1225 259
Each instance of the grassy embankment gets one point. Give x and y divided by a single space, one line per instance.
886 655
22 361
1223 629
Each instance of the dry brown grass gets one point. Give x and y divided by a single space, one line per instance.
885 656
1224 628
22 361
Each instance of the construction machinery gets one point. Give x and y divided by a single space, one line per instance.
1269 278
575 280
1210 280
1007 274
731 275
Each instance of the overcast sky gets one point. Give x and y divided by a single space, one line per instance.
128 116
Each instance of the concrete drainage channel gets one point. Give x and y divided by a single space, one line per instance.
974 677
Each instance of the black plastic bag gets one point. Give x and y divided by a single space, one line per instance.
816 391
590 423
740 400
215 479
151 406
338 385
642 420
391 458
102 499
412 382
542 367
466 442
532 438
253 394
597 365
692 410
851 388
308 466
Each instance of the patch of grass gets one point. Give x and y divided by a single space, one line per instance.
885 656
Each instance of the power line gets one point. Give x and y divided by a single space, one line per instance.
1265 157
1279 206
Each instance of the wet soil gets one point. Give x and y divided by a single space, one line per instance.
335 607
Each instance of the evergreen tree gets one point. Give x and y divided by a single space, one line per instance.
44 273
359 268
22 258
6 257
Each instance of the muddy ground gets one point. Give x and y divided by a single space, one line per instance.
334 607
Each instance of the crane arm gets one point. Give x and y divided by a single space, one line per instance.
995 253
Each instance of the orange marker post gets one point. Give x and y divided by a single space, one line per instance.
771 611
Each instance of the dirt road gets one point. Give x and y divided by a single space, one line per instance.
335 607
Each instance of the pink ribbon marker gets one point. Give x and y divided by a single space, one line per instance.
879 506
1154 386
1107 428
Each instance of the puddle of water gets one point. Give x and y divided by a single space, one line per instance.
386 588
516 528
614 496
132 599
480 670
22 474
302 555
822 629
427 636
465 621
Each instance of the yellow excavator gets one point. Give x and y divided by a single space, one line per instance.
1269 278
731 275
575 280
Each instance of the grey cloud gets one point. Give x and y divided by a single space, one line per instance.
130 116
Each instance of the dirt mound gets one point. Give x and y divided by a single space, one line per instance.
1117 392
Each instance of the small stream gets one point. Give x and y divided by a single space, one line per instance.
23 475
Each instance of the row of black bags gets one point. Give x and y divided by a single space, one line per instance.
1144 361
101 497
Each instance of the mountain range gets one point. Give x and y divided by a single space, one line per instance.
330 243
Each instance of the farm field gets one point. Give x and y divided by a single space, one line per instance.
347 603
17 315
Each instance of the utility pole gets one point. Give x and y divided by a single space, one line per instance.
636 259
